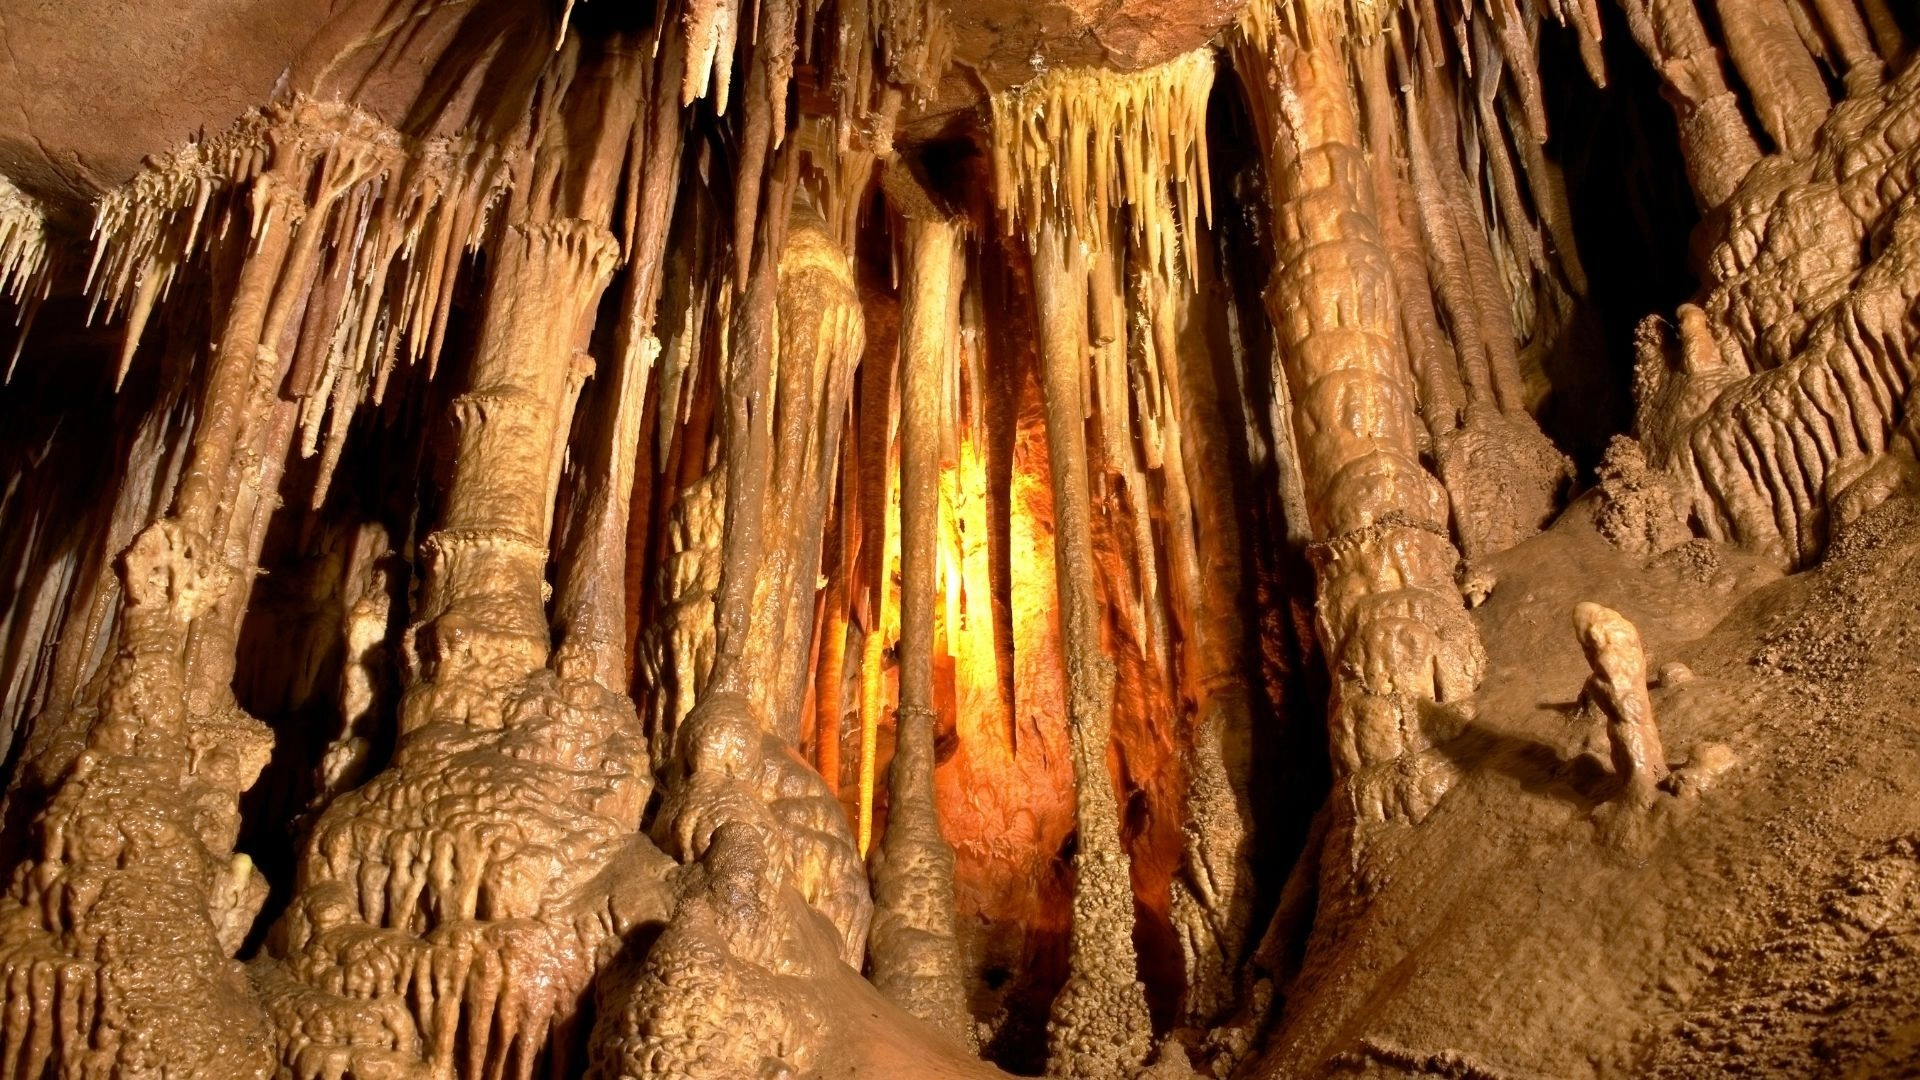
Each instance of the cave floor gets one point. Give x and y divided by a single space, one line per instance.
1769 926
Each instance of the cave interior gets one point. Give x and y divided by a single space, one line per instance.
1121 540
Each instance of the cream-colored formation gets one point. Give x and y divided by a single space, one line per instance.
1393 627
682 411
1780 401
23 257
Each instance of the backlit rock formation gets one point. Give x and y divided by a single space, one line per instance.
898 538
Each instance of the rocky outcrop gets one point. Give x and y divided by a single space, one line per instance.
1793 374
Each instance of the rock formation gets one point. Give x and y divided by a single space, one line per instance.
898 538
1618 689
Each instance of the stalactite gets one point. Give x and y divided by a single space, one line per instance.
153 458
1788 94
1447 253
747 438
675 651
830 683
591 617
415 204
1547 186
1079 145
711 27
1436 369
23 259
820 335
879 546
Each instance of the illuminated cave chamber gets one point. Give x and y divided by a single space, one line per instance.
870 538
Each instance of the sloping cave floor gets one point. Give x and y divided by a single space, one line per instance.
1532 925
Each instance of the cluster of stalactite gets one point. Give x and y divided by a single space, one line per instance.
829 557
23 258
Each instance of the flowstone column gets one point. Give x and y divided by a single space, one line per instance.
1100 1026
483 596
136 842
117 936
914 958
771 904
1389 617
449 915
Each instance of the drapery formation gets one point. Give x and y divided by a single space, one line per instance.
687 505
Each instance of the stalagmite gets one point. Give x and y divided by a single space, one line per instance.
1619 688
913 957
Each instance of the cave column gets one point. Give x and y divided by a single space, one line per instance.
484 586
591 615
1715 141
1390 620
1099 1026
915 961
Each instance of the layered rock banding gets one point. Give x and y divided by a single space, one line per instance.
875 538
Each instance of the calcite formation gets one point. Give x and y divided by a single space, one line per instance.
1619 689
898 538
